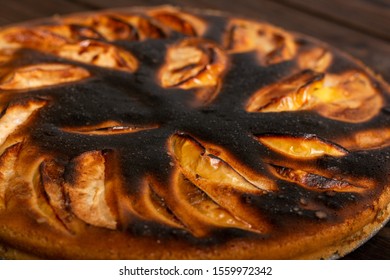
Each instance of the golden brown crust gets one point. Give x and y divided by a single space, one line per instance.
160 133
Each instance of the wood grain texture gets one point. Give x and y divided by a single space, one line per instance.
371 17
364 33
22 10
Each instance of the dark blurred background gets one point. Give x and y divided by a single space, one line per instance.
359 27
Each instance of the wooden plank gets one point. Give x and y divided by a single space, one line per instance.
369 16
22 10
373 51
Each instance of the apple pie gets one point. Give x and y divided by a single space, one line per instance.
167 133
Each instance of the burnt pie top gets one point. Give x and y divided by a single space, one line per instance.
163 133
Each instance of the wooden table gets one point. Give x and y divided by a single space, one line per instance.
359 27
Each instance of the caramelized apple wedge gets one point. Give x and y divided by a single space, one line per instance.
52 180
315 182
217 179
148 205
272 44
99 54
72 32
108 128
198 212
144 27
35 38
317 59
193 63
309 146
109 27
87 191
17 115
179 21
119 26
7 171
87 51
6 55
348 97
42 75
20 188
367 139
198 164
292 94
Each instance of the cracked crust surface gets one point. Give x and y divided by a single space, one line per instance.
162 133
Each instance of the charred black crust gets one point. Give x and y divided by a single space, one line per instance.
138 99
